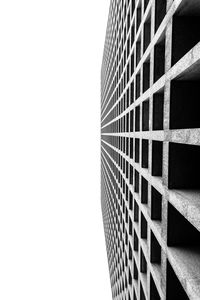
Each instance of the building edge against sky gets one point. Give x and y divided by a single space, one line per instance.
150 154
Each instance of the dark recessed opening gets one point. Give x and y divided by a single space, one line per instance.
145 115
184 104
131 120
184 165
147 34
158 106
130 226
126 282
146 76
174 287
127 146
154 295
135 242
139 16
185 35
123 165
138 52
123 148
129 277
130 200
143 263
127 189
156 205
123 206
126 216
125 27
136 189
132 6
132 35
121 143
131 147
157 156
136 212
145 4
137 118
131 174
137 150
143 227
130 252
132 63
127 67
138 85
126 242
127 168
180 231
123 123
160 12
132 92
128 20
135 271
159 60
155 254
145 153
127 99
144 191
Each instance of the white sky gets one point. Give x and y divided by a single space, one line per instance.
51 234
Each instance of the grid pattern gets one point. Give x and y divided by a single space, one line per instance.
150 154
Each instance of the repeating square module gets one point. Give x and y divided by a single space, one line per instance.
150 149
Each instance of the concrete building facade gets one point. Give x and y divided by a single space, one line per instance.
150 149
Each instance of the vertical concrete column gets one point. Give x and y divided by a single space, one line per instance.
168 47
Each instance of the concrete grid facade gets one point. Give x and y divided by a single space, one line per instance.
150 154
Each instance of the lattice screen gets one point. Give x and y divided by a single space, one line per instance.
150 87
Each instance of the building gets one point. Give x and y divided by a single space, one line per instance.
150 149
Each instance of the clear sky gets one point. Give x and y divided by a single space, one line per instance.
51 233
